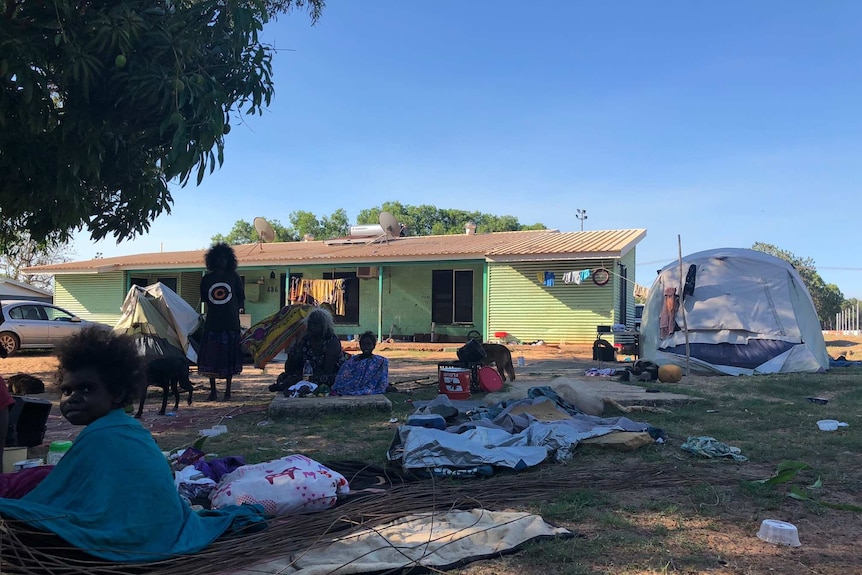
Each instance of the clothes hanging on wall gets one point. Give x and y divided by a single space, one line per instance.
549 279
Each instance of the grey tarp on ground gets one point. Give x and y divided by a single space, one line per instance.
508 440
434 540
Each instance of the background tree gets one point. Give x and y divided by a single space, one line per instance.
306 223
420 220
28 253
427 220
827 297
243 232
102 103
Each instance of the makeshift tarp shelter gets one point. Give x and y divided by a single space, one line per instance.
746 312
160 320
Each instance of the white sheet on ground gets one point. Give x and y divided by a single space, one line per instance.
435 540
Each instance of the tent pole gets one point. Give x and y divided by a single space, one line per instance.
682 307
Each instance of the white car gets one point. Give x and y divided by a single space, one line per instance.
37 325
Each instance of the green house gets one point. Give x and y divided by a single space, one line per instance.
529 285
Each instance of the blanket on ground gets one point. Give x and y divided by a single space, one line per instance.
505 435
113 496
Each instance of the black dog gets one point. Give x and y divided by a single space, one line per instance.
167 372
499 355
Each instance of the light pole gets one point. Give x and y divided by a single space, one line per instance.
582 215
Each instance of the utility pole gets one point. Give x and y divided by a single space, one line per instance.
582 215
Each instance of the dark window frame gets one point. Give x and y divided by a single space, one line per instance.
351 297
452 296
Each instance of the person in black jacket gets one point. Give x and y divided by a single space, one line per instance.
222 292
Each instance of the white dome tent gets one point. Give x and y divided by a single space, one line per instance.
746 312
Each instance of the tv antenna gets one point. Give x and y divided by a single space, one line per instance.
265 233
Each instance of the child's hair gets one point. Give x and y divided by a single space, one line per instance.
220 251
368 335
112 355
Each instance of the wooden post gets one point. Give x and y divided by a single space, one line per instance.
682 307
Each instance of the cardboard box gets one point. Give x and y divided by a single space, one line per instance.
11 456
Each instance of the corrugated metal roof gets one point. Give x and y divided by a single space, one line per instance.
498 246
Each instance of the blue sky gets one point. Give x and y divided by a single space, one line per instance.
726 123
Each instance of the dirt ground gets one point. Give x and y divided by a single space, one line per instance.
415 365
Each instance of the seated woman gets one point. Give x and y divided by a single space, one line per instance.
112 495
363 374
320 347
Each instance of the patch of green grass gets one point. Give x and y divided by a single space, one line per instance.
575 505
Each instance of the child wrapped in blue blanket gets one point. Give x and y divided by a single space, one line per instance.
112 495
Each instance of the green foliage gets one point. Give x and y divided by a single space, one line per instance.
244 233
786 471
428 220
301 223
103 103
827 298
420 220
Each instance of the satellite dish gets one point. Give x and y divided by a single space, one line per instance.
265 233
264 230
389 224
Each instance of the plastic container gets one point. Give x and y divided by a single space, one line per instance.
455 382
27 463
779 532
57 450
830 424
431 421
489 379
213 431
521 362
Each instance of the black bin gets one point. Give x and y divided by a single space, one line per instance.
603 351
471 352
28 420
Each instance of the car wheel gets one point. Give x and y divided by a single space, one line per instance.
10 341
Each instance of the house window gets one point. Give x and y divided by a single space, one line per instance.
452 296
351 297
